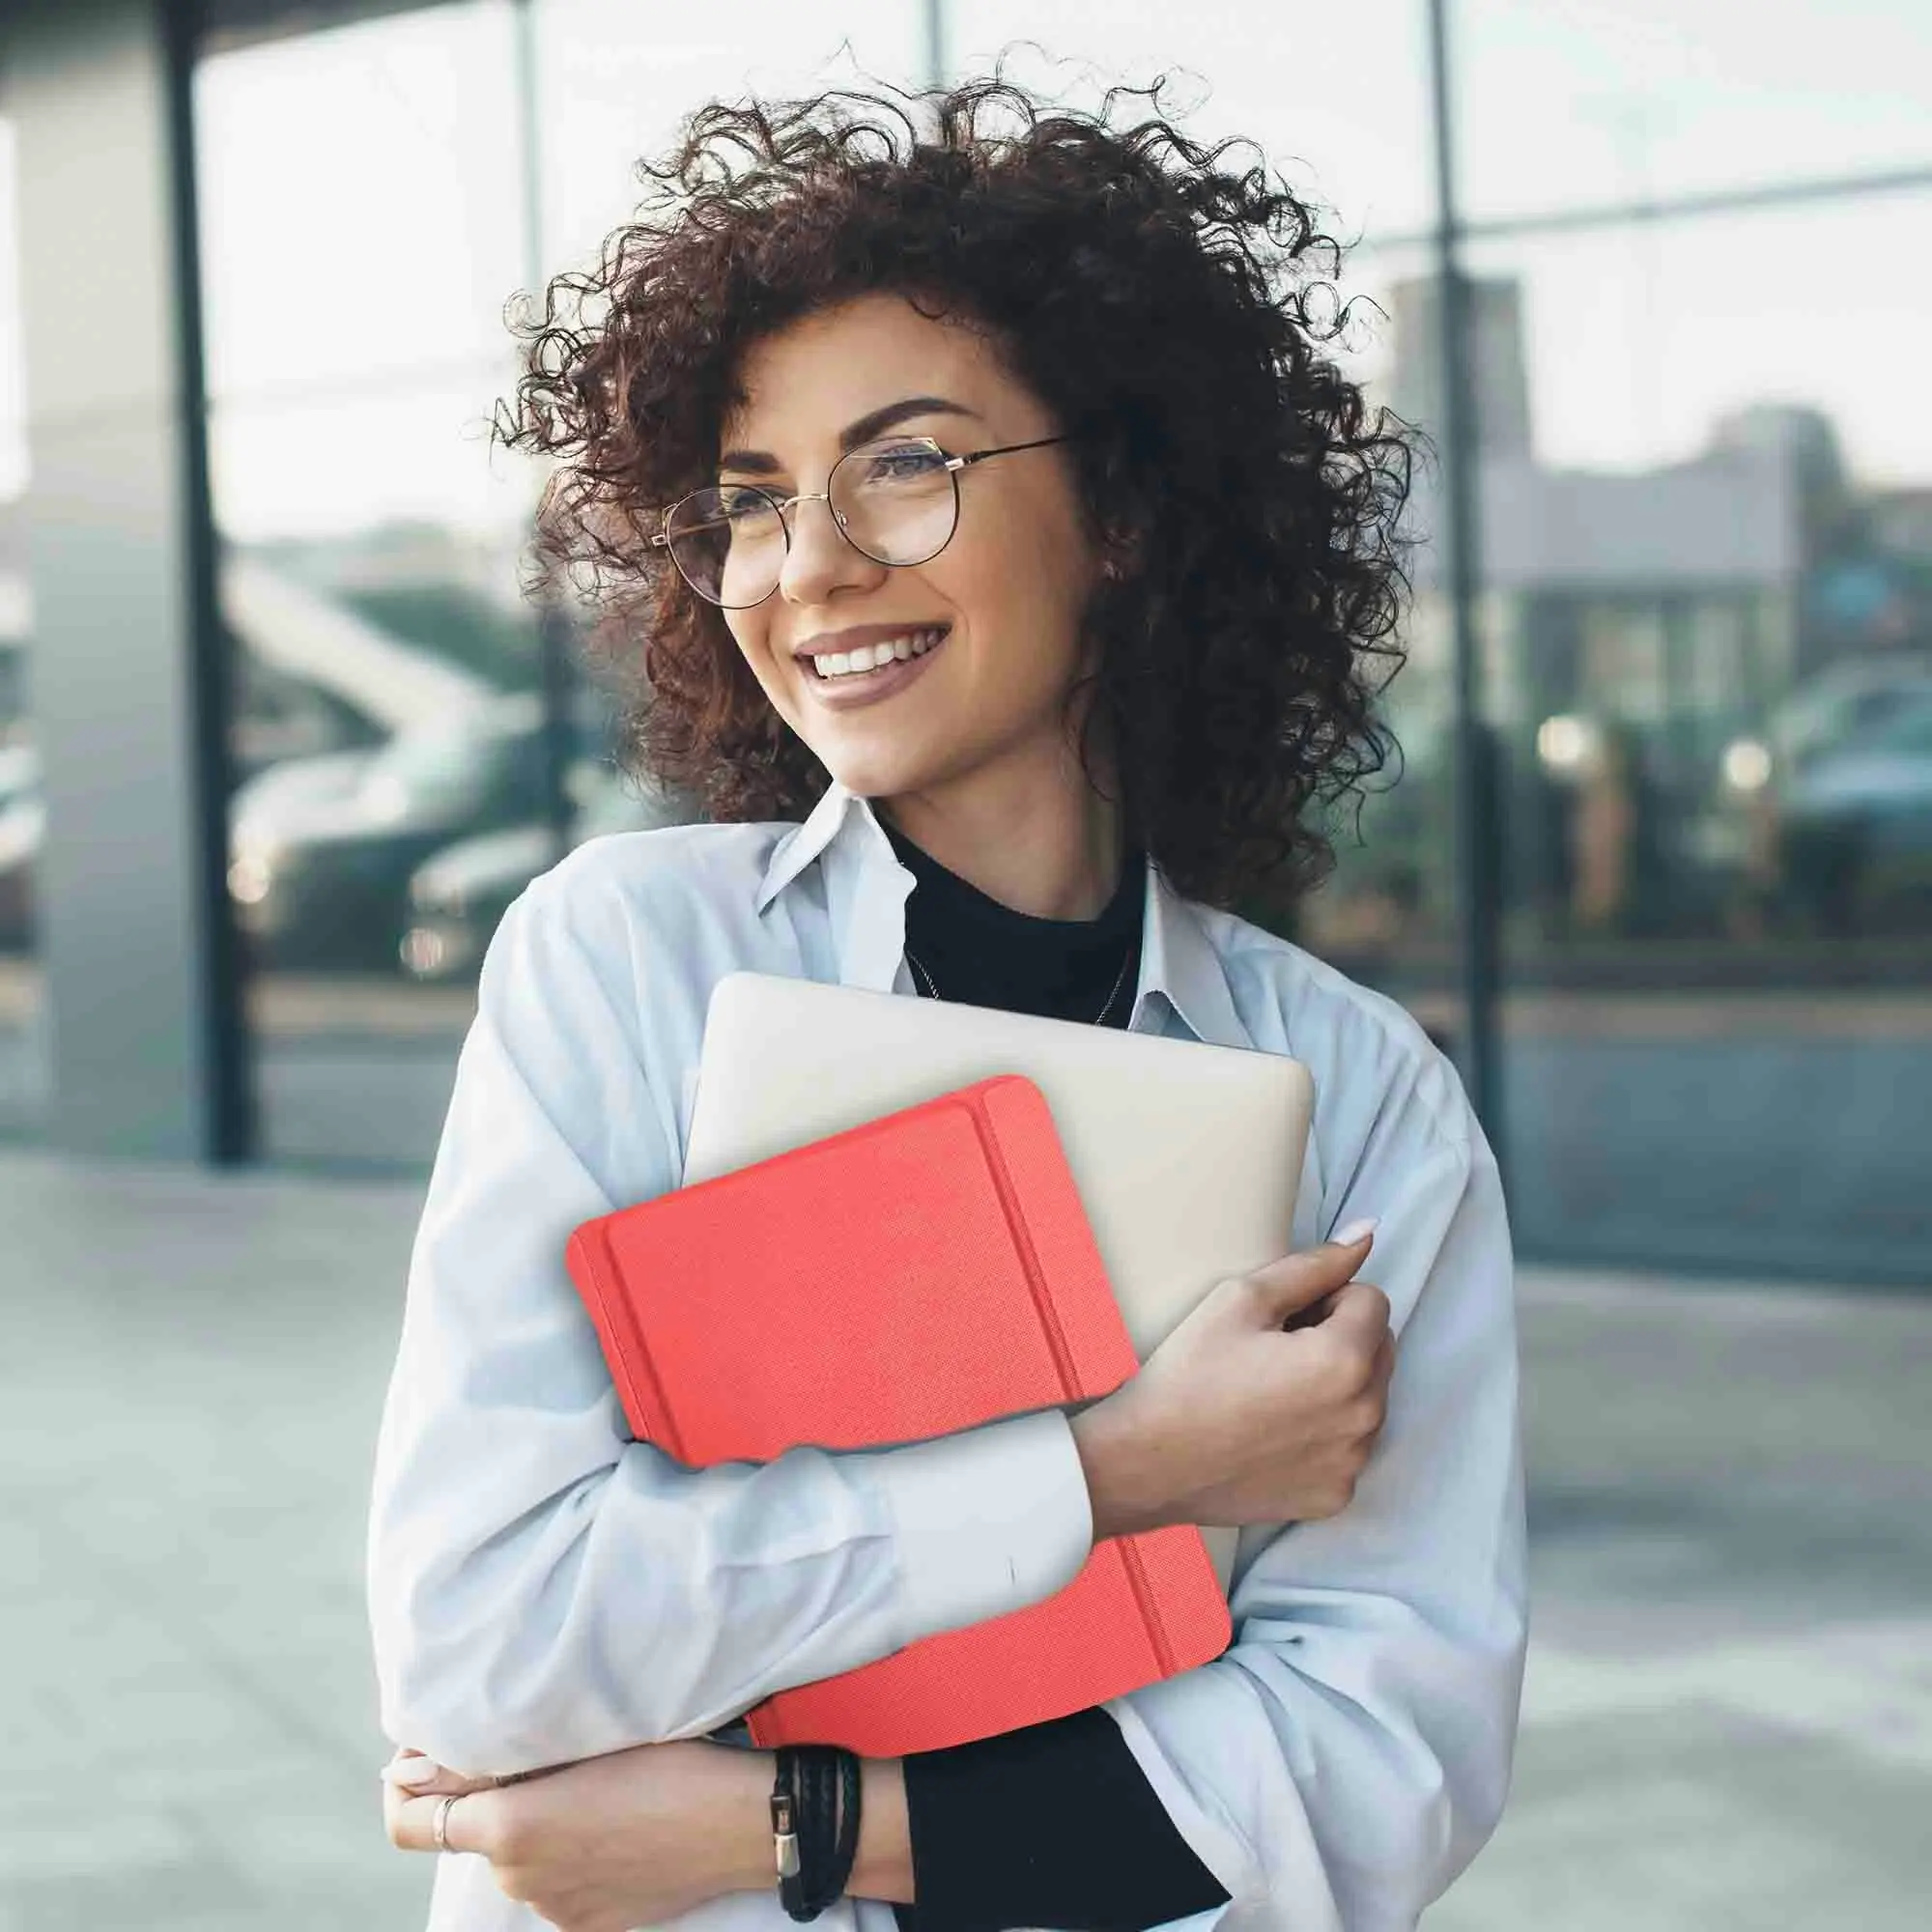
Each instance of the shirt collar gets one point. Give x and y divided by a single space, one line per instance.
802 844
1180 963
866 891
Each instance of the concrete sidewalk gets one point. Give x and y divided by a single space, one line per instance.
1728 1720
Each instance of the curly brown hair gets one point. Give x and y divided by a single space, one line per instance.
1171 309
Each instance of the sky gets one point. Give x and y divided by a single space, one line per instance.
362 223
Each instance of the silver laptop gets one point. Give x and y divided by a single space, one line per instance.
1186 1154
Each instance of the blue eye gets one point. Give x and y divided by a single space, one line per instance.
911 463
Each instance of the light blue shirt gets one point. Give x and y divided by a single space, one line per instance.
543 1588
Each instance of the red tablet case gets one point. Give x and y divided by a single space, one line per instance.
923 1273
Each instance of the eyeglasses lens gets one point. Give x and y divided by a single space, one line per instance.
729 544
894 501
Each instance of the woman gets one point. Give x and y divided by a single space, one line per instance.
1013 570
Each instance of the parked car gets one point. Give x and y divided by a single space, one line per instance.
1855 825
1842 782
457 898
1841 703
322 849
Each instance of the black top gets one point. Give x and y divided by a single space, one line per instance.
1052 1824
980 953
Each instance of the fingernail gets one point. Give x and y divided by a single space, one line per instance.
1355 1231
409 1772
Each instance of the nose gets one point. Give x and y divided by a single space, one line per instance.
819 559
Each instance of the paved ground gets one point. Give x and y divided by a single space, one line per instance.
1728 1720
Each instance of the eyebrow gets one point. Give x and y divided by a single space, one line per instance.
762 462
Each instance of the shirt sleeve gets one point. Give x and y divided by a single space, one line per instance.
1349 1753
541 1587
1052 1824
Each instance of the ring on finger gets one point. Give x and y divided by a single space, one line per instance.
439 1828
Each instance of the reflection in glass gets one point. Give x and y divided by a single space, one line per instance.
25 1064
1708 667
457 896
23 1045
358 202
386 675
616 80
1342 110
1651 100
385 671
1693 655
408 752
1388 916
322 848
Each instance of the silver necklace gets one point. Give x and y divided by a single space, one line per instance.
932 991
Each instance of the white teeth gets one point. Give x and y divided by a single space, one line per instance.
868 657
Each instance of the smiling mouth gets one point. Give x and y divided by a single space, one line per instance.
841 667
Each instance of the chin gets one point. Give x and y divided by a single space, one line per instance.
874 778
878 770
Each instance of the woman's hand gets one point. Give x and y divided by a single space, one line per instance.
613 1842
1232 1421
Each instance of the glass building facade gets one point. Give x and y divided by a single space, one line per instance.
1658 863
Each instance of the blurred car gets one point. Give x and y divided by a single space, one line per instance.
1841 703
1854 824
457 898
1843 780
320 849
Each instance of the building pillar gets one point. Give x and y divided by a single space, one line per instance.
127 665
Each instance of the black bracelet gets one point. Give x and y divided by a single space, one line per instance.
815 1824
815 1784
846 1846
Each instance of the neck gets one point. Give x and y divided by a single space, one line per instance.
1050 847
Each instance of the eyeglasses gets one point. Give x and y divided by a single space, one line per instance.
896 500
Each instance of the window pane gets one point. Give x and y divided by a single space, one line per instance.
1341 109
1389 915
386 669
404 763
1636 343
1709 635
1652 99
614 80
359 202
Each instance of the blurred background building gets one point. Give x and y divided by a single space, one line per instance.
279 737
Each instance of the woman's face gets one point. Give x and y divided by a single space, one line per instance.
984 705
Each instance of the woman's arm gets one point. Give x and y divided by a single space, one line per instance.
642 1834
1393 1695
1349 1753
542 1588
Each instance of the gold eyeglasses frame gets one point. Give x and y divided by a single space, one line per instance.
782 505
